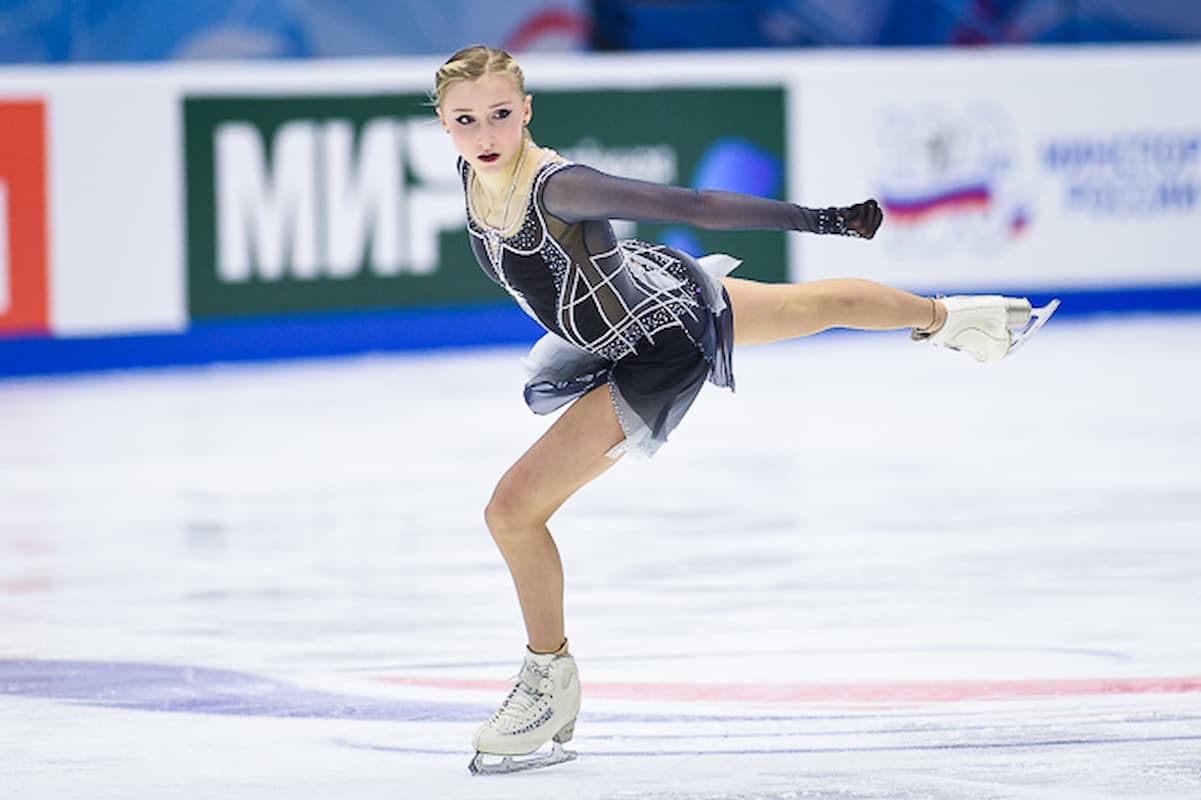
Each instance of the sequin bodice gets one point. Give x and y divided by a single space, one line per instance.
578 281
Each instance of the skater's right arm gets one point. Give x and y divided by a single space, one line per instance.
579 192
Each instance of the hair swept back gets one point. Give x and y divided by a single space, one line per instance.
473 63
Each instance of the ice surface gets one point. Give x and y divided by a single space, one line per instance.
880 570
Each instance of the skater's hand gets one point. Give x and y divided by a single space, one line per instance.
863 219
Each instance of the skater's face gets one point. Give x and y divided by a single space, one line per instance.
486 119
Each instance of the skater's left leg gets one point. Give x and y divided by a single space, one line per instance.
988 327
545 702
569 455
772 312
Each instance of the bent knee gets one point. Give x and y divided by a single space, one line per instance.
511 513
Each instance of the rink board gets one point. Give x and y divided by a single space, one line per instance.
142 203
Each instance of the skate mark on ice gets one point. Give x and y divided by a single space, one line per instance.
904 727
769 751
174 688
885 692
1103 655
200 690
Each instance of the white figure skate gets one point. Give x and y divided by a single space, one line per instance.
989 327
541 708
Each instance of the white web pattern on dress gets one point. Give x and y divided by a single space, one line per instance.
659 307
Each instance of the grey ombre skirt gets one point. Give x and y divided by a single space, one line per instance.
653 387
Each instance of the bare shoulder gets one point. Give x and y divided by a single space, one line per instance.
547 155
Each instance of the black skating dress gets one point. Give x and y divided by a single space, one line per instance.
649 321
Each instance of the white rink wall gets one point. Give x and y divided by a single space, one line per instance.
1054 171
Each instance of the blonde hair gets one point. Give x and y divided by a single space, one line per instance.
473 63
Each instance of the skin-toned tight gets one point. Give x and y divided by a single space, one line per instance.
572 451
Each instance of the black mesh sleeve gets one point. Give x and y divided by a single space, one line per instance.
578 193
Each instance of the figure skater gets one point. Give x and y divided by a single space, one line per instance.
634 331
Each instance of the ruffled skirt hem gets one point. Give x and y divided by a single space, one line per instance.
650 394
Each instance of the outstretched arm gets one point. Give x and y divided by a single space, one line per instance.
579 192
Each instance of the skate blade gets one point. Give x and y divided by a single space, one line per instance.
557 755
1038 318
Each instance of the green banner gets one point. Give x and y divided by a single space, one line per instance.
352 202
706 138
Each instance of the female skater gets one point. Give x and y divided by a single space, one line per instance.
634 331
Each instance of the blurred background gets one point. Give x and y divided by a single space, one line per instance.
57 31
186 182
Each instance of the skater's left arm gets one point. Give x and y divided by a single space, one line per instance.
579 192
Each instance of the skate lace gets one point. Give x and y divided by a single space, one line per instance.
523 702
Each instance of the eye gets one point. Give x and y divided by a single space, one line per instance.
464 119
502 113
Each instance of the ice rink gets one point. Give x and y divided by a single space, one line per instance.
879 570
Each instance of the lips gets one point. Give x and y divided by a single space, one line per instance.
489 158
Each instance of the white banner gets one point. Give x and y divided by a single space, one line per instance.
1010 170
1016 169
115 166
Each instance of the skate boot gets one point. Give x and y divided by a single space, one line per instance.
989 327
541 708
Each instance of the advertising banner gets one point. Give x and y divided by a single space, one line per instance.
320 203
176 208
731 139
992 173
23 266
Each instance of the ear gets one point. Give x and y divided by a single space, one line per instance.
442 119
527 113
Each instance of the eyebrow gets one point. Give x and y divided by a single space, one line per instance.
494 105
